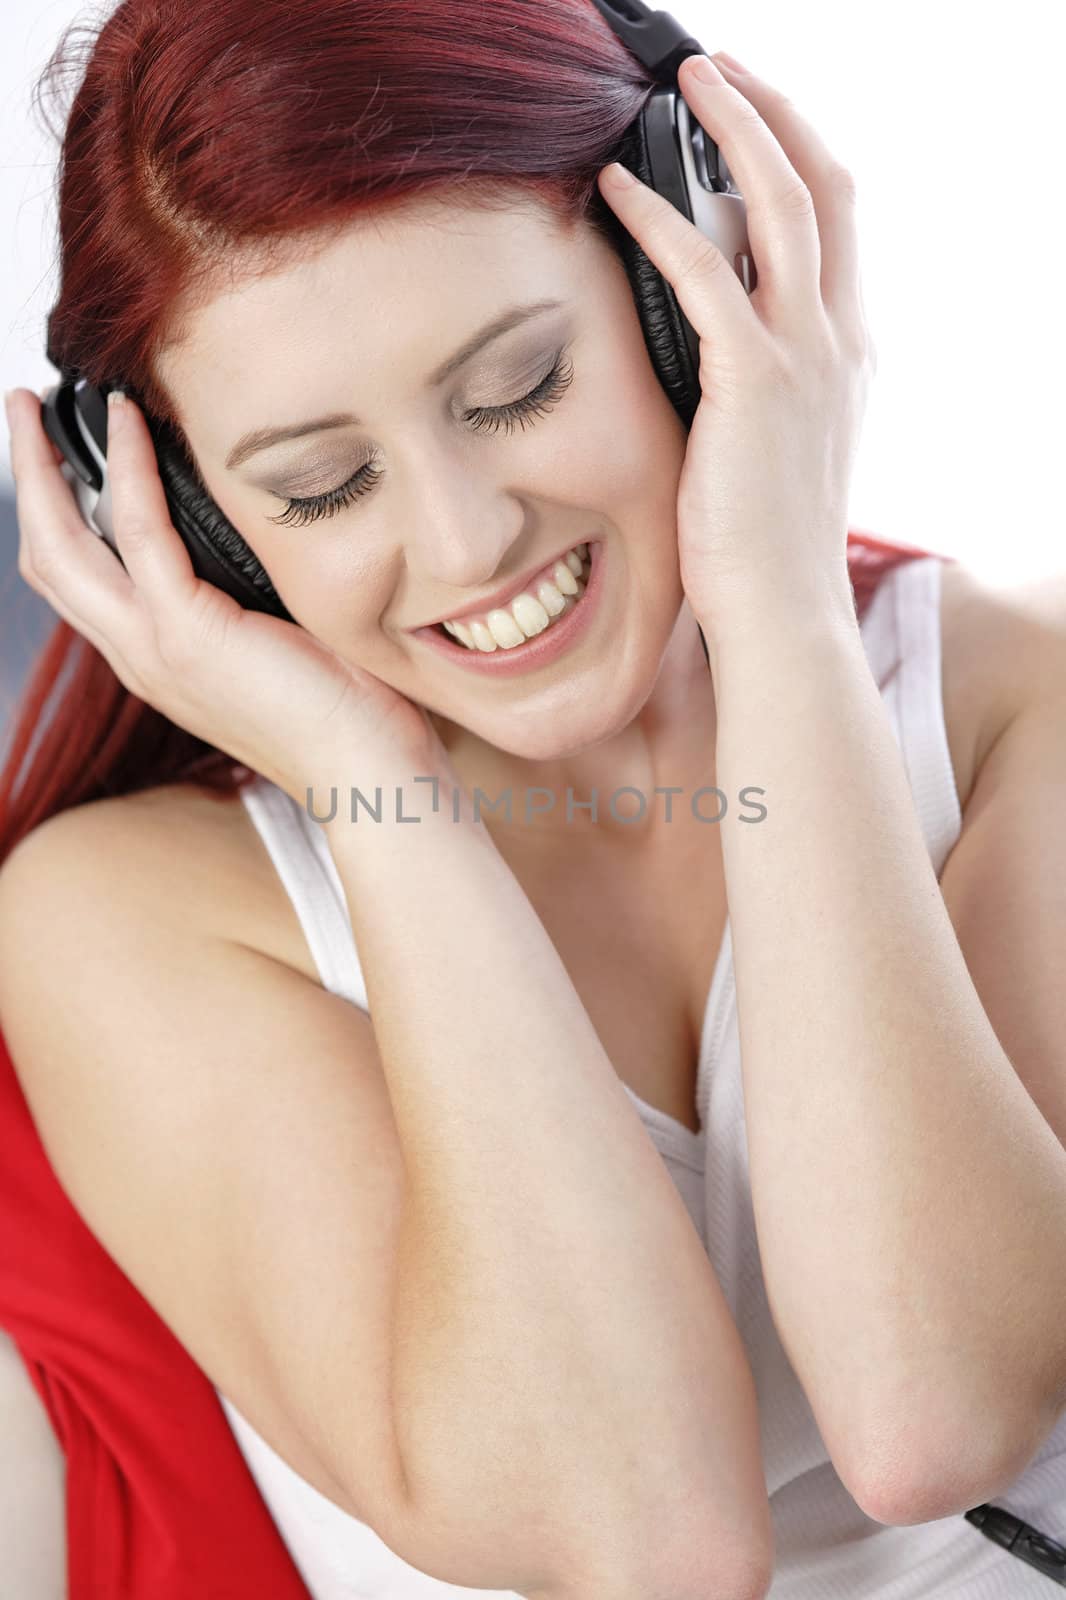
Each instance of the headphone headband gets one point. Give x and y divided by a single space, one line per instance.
657 39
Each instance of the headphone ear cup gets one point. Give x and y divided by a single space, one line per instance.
218 553
657 306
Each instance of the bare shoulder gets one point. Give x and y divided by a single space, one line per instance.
187 855
188 1088
1002 646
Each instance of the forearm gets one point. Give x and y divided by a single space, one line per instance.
903 1181
562 1346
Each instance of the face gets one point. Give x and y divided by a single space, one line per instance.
439 501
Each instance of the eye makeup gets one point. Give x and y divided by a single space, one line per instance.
538 402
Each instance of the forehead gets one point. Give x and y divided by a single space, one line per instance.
414 280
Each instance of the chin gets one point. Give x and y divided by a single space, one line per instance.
579 715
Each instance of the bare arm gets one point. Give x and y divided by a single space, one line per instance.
908 1193
560 1342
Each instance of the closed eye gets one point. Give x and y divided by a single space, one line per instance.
539 401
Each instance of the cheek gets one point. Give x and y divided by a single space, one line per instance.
626 446
332 586
655 431
324 576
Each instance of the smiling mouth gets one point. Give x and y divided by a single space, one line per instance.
550 597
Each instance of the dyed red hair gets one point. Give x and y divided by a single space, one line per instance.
195 132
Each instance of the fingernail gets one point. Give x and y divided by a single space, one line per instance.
730 61
618 177
116 408
7 404
703 68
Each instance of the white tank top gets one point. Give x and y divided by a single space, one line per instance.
826 1548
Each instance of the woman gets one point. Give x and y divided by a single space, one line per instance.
478 1285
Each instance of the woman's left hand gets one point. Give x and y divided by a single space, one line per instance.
784 373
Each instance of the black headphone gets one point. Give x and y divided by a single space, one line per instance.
667 149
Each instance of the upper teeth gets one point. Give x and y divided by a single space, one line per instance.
527 614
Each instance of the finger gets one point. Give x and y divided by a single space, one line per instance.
57 454
707 288
151 546
830 184
57 551
782 223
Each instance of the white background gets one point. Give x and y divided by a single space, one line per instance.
955 138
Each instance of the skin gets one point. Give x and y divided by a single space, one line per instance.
459 511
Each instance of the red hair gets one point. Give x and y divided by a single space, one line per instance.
202 130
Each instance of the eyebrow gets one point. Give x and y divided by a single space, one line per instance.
262 438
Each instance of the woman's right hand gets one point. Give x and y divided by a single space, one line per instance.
263 690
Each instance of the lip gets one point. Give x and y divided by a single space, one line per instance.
503 597
539 651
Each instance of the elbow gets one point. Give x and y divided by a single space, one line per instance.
897 1504
726 1575
691 1554
542 1556
923 1480
688 1573
751 1581
689 1549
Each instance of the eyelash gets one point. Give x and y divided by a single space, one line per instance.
298 513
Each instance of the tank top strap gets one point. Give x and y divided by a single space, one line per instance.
902 636
301 855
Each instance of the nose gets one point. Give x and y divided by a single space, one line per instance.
460 525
